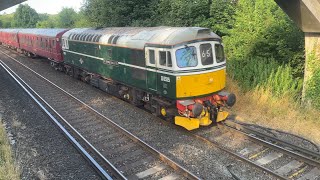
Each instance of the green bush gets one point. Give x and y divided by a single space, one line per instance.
262 29
267 74
313 90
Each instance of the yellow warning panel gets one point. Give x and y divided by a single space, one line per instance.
205 121
188 123
222 115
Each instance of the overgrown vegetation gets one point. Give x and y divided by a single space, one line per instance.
265 49
259 106
312 83
266 74
7 168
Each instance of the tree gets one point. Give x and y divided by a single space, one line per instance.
214 14
82 20
221 19
183 12
110 13
25 17
67 18
262 29
47 21
51 22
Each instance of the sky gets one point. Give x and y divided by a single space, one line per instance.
48 6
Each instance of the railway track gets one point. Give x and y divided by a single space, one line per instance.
275 156
112 150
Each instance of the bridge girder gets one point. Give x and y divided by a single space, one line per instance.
305 13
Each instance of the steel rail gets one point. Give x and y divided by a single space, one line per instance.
274 146
134 138
78 146
279 141
209 142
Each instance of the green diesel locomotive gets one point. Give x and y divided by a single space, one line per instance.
174 72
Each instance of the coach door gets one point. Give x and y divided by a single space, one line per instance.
151 64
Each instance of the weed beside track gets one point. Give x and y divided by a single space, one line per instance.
8 168
281 113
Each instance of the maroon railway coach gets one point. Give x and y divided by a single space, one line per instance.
9 37
42 42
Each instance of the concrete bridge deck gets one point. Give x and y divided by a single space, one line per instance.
4 4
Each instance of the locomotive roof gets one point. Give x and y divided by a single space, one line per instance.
42 32
138 37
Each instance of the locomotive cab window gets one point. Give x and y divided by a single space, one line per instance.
219 53
169 64
165 58
162 58
187 57
151 57
206 54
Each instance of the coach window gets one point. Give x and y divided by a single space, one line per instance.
151 57
206 54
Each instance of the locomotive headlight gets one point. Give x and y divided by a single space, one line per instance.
197 109
231 100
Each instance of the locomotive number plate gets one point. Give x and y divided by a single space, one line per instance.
165 79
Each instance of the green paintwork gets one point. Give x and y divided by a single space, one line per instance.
109 67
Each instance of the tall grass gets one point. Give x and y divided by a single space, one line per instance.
313 90
8 170
262 107
265 74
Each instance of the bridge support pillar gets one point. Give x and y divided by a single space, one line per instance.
311 84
